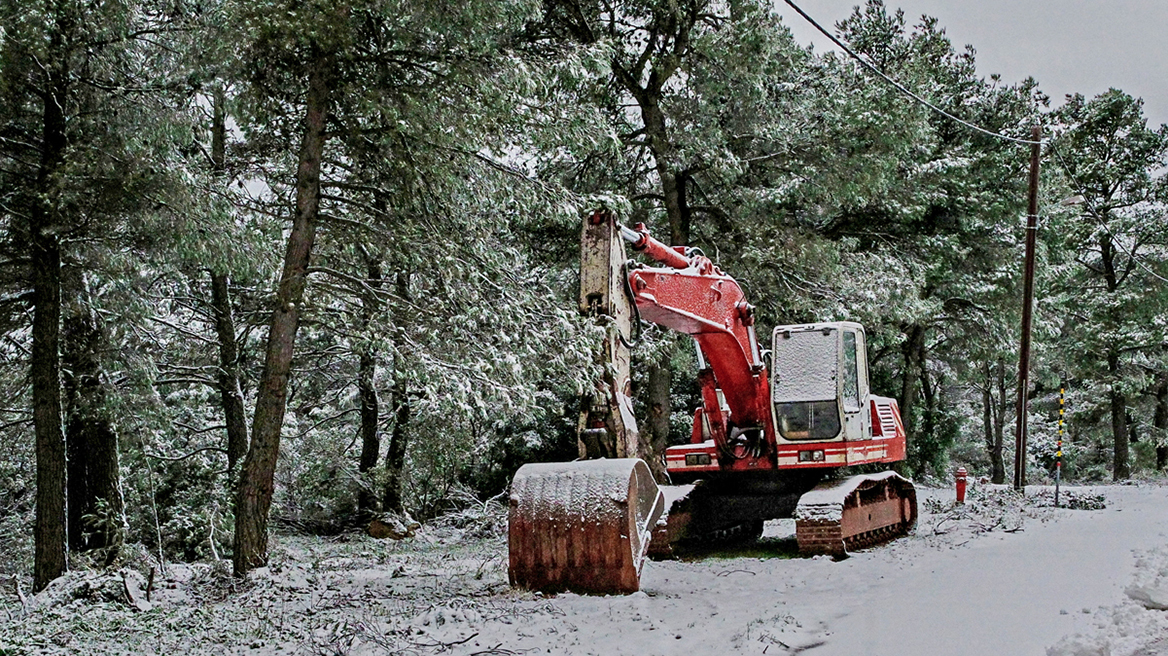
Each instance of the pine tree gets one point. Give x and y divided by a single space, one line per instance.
1112 159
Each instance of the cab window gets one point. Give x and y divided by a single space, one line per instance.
808 420
851 378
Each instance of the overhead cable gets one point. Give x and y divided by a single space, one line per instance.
1094 213
900 87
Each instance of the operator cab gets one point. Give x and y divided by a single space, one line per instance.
819 382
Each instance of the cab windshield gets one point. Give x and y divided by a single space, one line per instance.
808 420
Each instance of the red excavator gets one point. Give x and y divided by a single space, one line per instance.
772 426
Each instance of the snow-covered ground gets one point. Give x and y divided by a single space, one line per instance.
999 576
998 579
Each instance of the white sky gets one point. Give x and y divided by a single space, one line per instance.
1083 46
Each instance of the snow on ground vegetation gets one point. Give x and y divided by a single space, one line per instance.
1003 574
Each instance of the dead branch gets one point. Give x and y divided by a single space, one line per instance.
129 595
178 458
443 646
20 595
735 571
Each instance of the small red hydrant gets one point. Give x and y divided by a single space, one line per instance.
961 485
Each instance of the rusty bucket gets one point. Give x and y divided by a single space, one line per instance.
582 526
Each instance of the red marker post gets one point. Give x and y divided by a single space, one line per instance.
961 485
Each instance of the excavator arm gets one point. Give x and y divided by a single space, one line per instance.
608 428
686 293
691 295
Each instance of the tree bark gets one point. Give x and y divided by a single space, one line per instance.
395 457
45 373
96 510
44 363
227 378
987 413
660 376
370 442
673 184
1002 404
1120 466
655 437
928 450
913 350
656 431
1160 421
254 496
366 390
219 130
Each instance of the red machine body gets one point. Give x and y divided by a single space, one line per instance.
737 428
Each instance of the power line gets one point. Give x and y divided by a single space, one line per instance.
1093 212
898 86
901 88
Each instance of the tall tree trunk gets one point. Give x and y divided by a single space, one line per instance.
254 497
1120 467
219 129
370 442
987 412
96 510
929 448
993 447
44 363
227 380
648 92
1001 406
655 434
672 183
395 456
366 390
1160 421
45 372
913 350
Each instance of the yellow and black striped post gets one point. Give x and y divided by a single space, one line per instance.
1058 454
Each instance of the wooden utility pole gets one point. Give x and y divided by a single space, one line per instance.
1027 314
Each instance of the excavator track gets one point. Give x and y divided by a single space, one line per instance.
855 512
724 509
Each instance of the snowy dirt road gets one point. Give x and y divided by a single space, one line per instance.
1002 593
1000 576
1003 581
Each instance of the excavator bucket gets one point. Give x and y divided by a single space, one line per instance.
582 526
855 512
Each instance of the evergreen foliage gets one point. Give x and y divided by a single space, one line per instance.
153 157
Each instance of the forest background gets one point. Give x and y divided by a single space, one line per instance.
295 263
